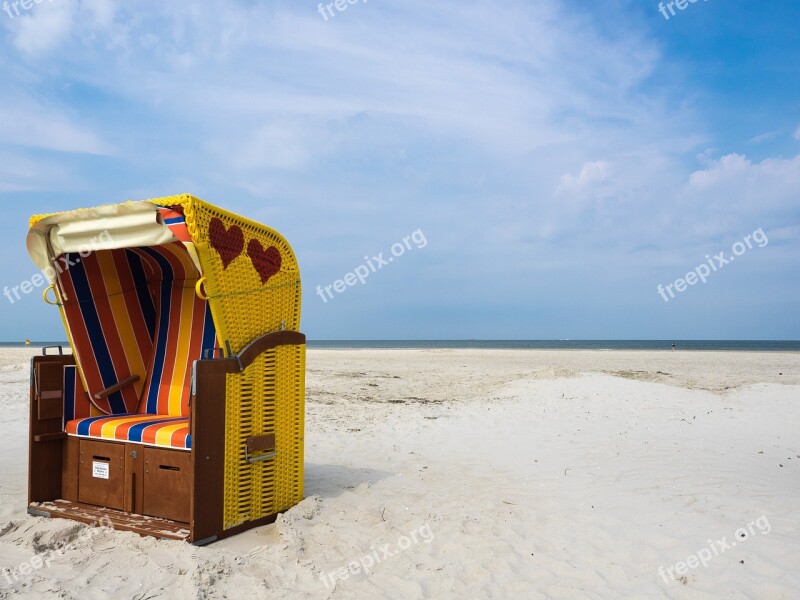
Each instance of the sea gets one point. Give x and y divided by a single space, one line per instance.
710 345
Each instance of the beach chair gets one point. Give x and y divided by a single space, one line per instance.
180 411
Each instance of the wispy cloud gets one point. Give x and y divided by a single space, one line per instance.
590 173
27 121
40 31
764 137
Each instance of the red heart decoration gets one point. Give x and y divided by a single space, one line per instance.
229 243
266 262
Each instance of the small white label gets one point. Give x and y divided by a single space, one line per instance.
99 469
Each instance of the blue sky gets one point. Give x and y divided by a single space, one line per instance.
562 159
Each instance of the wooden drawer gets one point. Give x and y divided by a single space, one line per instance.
167 484
101 475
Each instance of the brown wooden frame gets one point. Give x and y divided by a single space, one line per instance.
46 447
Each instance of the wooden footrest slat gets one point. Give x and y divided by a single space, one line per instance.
121 521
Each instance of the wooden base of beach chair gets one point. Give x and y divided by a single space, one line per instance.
142 524
118 520
150 491
154 482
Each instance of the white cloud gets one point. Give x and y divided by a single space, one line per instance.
102 12
52 24
30 123
524 80
769 135
735 194
736 172
590 173
275 145
43 28
19 173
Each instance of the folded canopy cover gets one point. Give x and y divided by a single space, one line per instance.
129 225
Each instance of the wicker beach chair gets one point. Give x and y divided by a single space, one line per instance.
179 413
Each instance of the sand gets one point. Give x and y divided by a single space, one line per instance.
480 474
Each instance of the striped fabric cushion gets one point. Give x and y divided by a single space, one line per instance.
154 430
135 312
111 320
184 329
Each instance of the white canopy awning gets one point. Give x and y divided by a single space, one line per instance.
129 225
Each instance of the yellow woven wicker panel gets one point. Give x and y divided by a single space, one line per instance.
290 414
268 397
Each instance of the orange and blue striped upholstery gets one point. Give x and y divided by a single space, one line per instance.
135 312
185 328
111 316
154 430
176 222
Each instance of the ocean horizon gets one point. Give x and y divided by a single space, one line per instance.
695 345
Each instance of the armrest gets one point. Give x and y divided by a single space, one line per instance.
116 387
266 342
239 362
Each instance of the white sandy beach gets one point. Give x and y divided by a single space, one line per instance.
480 474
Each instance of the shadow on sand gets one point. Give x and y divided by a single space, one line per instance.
325 481
330 481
